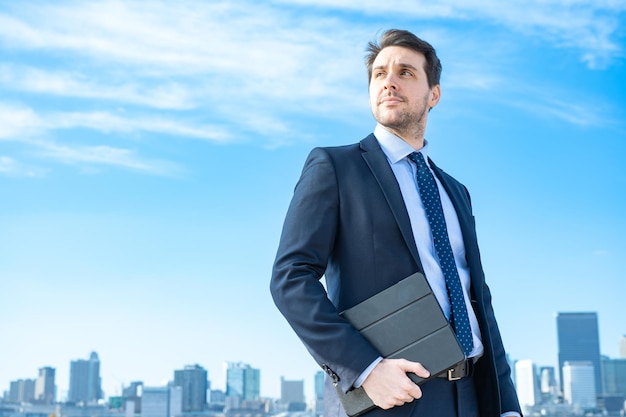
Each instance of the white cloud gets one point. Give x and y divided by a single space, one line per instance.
160 36
588 26
62 83
222 71
23 125
17 122
11 167
567 111
237 63
106 155
108 122
6 164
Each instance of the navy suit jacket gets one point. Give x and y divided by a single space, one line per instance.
347 221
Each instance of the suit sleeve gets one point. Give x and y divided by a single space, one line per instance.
305 248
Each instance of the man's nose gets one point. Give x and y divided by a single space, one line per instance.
390 82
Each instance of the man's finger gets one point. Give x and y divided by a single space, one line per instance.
416 368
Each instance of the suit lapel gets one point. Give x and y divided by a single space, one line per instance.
377 162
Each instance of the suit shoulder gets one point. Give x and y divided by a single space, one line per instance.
336 150
366 144
325 162
340 153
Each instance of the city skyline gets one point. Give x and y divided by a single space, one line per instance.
240 366
149 151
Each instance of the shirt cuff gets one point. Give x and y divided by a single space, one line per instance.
511 414
359 381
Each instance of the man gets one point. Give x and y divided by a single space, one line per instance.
358 218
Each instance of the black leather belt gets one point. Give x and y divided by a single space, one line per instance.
462 370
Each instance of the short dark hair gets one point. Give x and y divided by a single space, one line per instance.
406 39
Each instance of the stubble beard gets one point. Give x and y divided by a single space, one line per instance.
406 124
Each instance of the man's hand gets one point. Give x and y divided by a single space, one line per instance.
389 386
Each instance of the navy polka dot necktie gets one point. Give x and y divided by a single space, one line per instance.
432 204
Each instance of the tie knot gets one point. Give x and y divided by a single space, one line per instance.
418 158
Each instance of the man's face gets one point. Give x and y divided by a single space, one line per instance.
399 93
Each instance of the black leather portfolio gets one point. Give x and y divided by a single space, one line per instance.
404 321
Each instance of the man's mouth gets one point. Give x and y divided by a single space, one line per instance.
390 100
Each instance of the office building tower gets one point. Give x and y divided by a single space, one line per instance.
292 394
22 391
44 386
155 402
622 347
133 390
614 376
218 397
320 378
511 364
85 380
193 380
547 384
579 385
579 341
527 384
243 381
176 401
132 396
129 408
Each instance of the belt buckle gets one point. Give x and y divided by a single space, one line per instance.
451 377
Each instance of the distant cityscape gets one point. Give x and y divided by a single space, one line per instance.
188 394
585 383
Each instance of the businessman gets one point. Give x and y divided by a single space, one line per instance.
367 215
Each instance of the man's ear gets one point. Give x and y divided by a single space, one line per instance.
435 95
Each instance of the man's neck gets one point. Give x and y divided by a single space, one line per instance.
414 137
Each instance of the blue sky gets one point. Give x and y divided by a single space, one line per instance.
148 152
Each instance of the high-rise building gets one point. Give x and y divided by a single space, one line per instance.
176 401
85 380
622 347
132 396
526 384
44 386
243 381
129 408
579 341
320 378
614 376
22 391
292 394
155 402
162 401
579 385
547 384
193 380
217 397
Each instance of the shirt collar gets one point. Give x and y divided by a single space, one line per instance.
394 147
